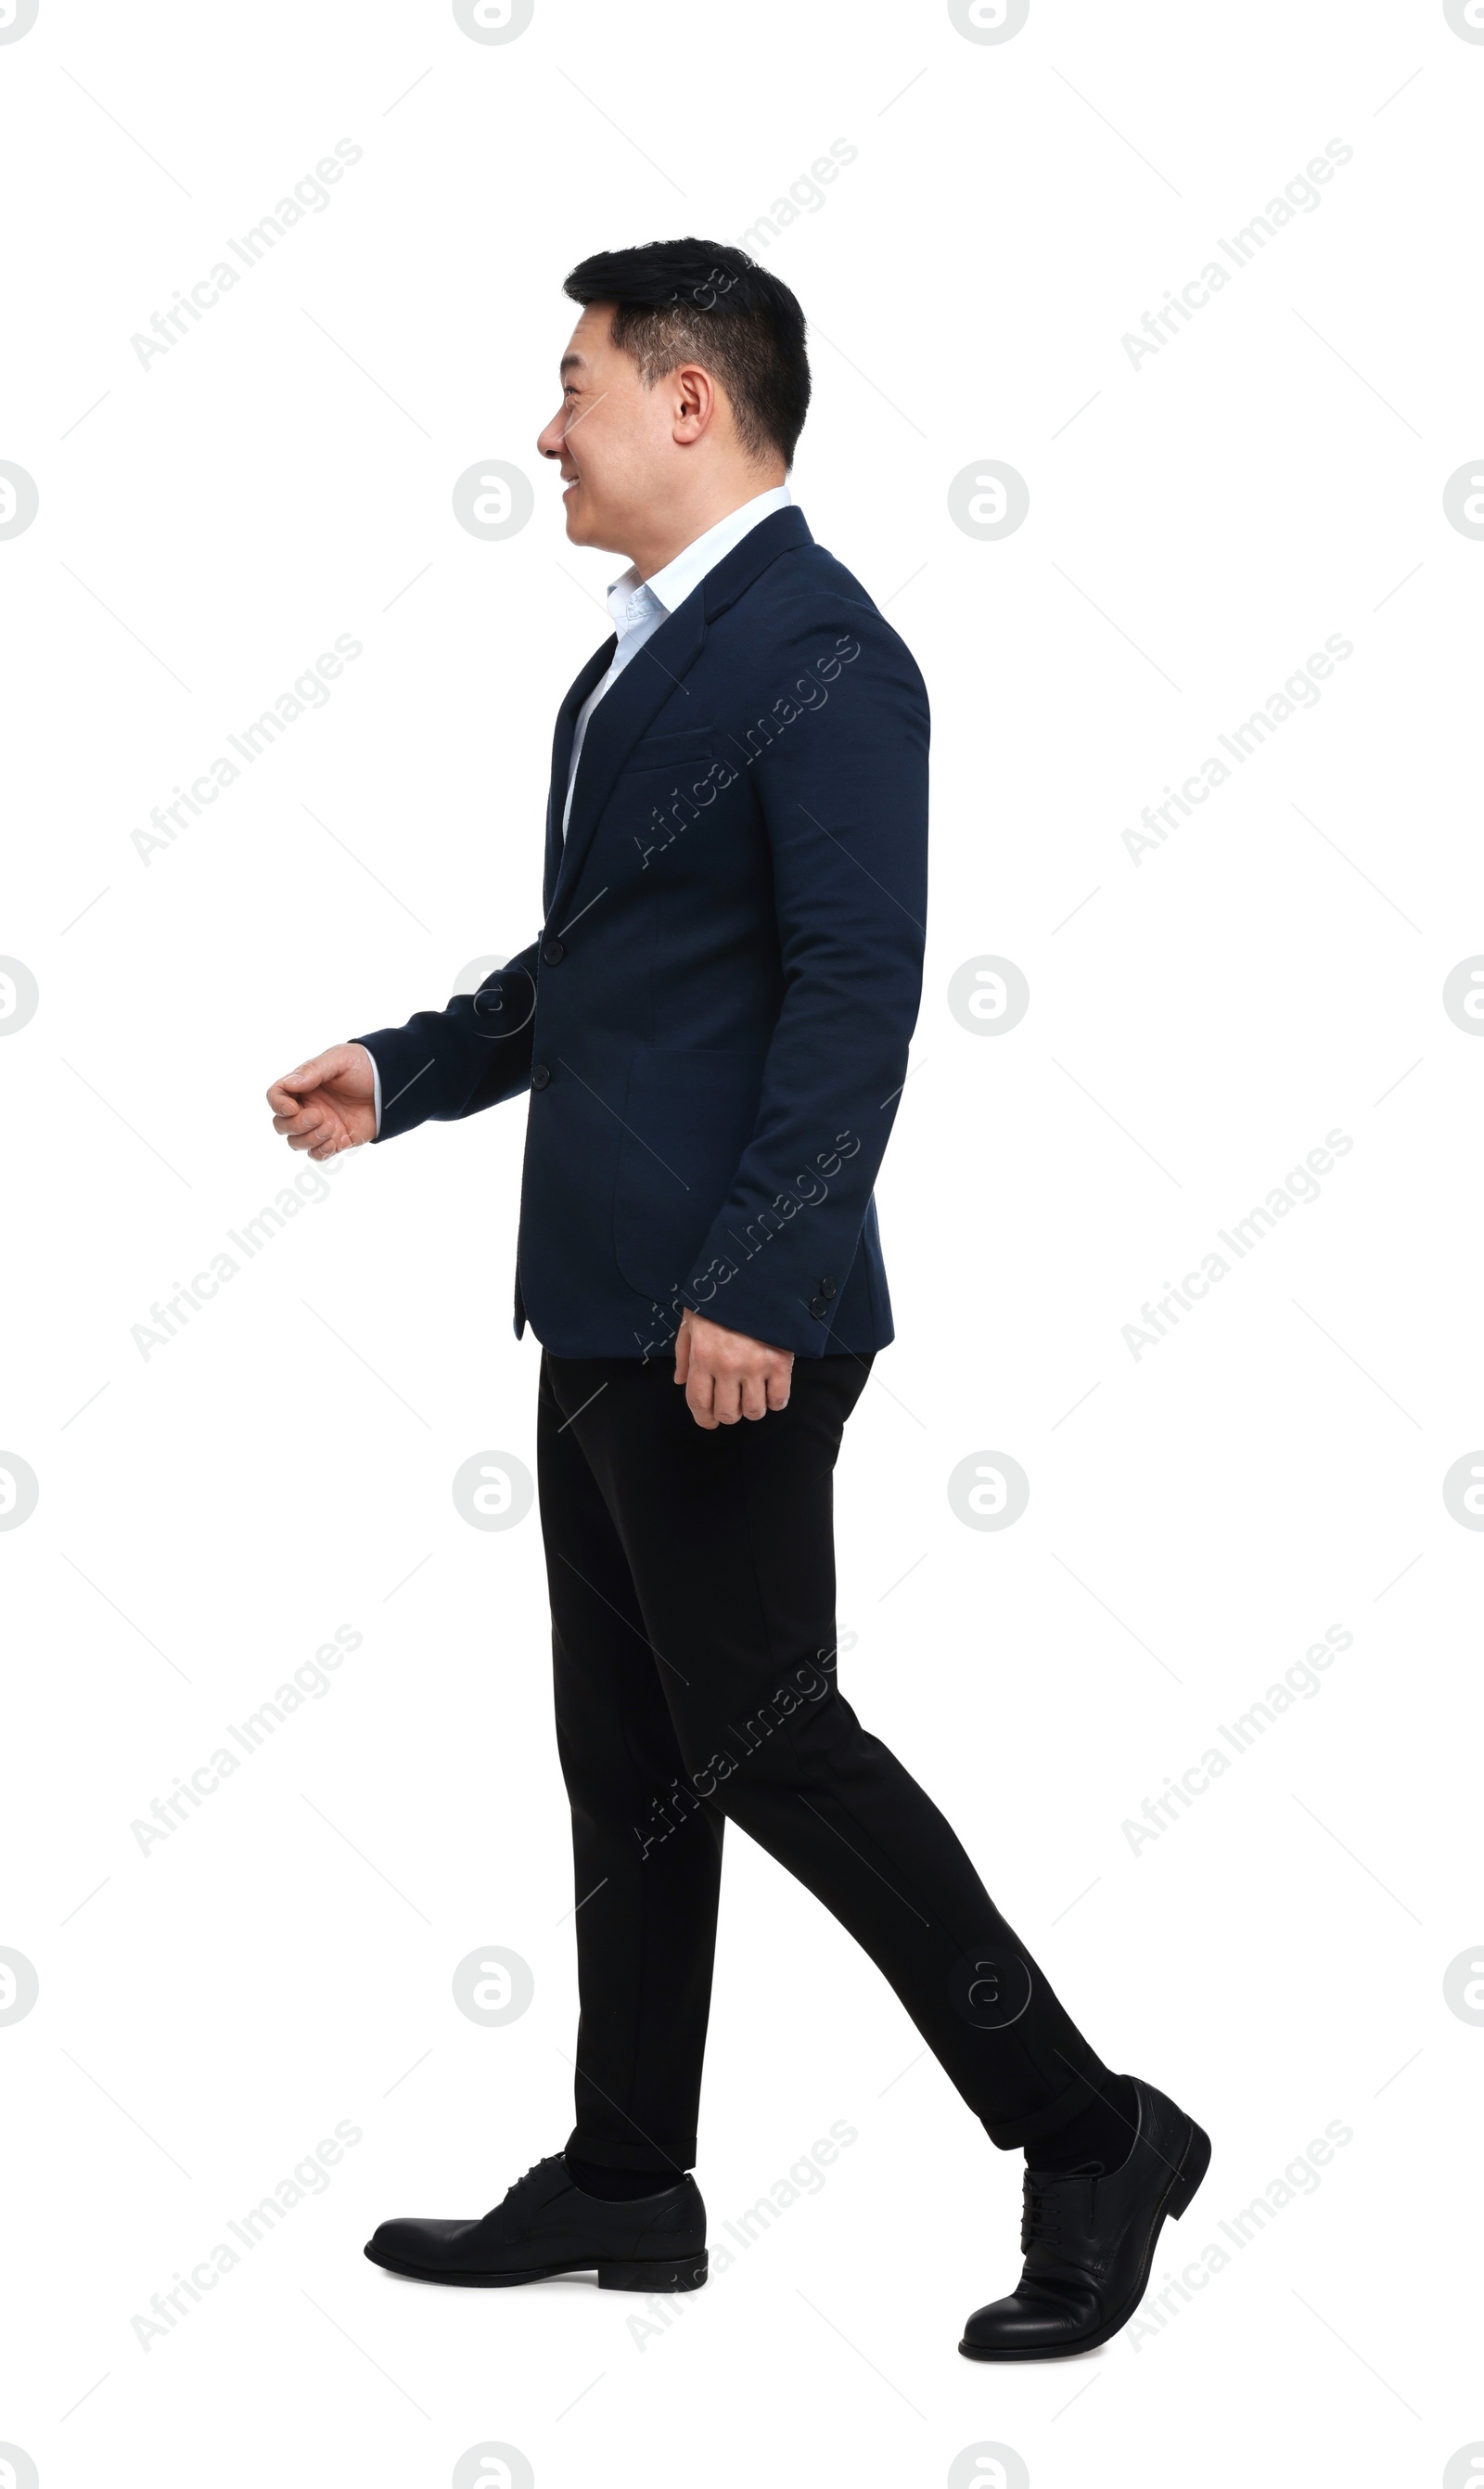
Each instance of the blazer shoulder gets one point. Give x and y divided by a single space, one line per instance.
808 572
811 590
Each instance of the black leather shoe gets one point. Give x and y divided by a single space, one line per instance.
546 2226
1089 2241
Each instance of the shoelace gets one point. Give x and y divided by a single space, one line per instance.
1041 2214
1039 2217
544 2163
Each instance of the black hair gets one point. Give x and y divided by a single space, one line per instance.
707 303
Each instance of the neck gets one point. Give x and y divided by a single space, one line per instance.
663 533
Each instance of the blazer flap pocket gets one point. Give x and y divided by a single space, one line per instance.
672 751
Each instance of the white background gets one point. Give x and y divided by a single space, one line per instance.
1199 1020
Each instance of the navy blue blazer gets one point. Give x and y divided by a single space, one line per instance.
713 1022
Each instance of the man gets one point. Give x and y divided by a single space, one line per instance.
713 1027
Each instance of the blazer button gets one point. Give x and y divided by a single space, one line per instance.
819 1307
553 951
540 1078
827 1288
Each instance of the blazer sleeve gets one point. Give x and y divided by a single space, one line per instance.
843 789
472 1053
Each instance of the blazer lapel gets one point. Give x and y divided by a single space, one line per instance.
562 760
625 710
615 725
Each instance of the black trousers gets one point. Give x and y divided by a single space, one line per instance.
693 1621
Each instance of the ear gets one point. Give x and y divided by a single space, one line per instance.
696 400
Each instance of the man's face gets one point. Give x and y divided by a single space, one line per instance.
613 437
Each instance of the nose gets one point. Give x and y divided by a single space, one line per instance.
548 444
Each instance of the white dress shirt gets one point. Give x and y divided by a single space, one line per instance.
639 606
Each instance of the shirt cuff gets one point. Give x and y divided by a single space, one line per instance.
376 1087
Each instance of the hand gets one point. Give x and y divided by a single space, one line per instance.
728 1376
327 1104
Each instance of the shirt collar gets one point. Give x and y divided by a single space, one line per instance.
631 599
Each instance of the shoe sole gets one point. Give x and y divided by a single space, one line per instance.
685 2272
1176 2200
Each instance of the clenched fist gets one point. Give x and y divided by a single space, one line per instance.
726 1375
327 1104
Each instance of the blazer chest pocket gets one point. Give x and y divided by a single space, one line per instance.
688 1119
693 751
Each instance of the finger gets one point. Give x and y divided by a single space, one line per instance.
682 1354
698 1393
307 1076
302 1119
726 1400
778 1387
754 1395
